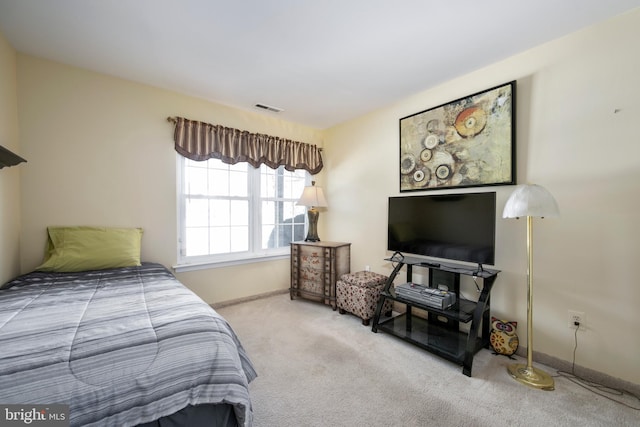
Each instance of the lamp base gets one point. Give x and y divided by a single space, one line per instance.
312 233
531 376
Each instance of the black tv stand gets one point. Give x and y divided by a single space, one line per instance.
440 331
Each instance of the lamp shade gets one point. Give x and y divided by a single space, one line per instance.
530 200
312 196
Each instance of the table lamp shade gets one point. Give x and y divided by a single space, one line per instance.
312 196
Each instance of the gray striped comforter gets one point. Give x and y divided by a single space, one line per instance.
121 347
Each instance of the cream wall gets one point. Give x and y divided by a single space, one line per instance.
100 152
570 140
9 177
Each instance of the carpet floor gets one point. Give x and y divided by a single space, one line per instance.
319 368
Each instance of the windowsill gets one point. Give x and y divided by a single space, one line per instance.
228 262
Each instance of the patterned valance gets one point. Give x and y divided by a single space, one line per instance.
202 141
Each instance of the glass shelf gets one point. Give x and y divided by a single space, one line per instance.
444 342
461 311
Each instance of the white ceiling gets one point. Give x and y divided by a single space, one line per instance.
322 61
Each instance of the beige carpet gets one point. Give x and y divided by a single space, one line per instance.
319 368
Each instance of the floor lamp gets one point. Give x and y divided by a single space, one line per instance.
313 197
530 201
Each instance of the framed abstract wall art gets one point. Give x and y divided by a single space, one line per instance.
468 142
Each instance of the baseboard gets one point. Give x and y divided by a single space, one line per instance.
247 299
581 371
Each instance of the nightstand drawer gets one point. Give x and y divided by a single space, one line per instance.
311 261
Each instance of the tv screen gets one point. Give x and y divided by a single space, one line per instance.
457 227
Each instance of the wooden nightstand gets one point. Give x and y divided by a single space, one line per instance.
316 267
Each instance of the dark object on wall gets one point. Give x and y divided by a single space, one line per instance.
8 158
468 142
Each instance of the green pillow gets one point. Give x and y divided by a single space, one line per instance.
72 249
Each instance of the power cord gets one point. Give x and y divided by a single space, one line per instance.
475 280
592 386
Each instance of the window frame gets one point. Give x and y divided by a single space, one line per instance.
252 255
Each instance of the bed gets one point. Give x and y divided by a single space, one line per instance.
121 346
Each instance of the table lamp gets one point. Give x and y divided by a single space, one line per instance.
313 197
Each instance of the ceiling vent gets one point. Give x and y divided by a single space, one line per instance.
270 108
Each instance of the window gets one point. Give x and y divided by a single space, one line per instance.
235 213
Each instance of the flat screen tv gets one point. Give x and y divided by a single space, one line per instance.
457 227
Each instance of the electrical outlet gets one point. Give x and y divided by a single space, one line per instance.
576 316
